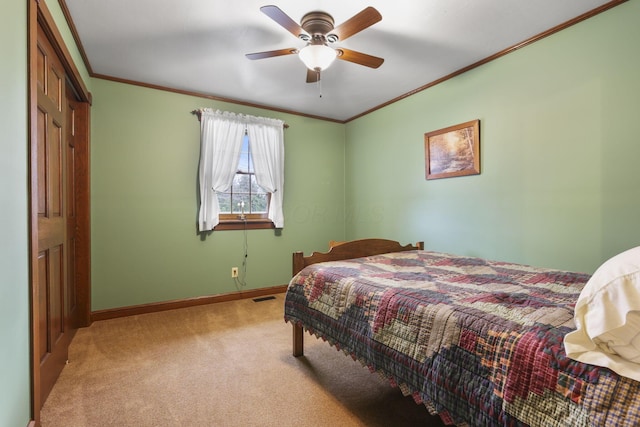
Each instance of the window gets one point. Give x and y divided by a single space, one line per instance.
245 203
228 186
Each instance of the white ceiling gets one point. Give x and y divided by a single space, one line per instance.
200 45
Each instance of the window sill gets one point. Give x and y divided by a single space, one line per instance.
250 224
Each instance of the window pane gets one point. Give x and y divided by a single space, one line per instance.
259 203
241 183
241 203
245 165
255 188
258 197
224 199
250 162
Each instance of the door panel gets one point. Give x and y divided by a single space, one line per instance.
54 172
42 176
56 295
43 329
54 77
52 279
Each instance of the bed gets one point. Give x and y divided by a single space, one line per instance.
478 342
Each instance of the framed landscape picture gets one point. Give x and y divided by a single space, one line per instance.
453 151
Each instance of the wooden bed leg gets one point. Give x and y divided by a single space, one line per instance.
298 340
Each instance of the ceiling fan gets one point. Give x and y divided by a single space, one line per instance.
317 30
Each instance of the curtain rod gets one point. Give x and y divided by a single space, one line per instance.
199 114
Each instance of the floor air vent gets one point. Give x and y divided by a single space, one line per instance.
263 299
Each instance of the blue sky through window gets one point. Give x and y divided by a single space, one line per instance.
245 164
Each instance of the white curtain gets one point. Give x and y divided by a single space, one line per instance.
220 145
266 138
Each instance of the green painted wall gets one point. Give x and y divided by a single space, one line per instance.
144 162
559 185
14 233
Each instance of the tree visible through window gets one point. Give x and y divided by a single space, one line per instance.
245 197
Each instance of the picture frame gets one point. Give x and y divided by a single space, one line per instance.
453 151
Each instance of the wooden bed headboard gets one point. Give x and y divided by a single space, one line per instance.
352 249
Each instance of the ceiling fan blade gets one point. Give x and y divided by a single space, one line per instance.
312 76
271 53
357 23
359 58
275 13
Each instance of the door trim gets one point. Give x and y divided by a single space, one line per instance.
39 14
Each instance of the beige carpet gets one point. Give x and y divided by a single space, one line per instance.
226 364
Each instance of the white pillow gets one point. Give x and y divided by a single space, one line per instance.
607 317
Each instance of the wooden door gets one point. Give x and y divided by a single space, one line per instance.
72 142
51 275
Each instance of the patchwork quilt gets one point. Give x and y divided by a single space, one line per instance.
478 342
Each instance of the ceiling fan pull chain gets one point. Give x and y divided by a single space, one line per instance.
319 83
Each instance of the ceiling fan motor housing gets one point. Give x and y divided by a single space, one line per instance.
318 25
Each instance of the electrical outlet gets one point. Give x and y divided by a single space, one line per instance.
234 272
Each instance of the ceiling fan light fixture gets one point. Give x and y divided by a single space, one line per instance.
317 56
